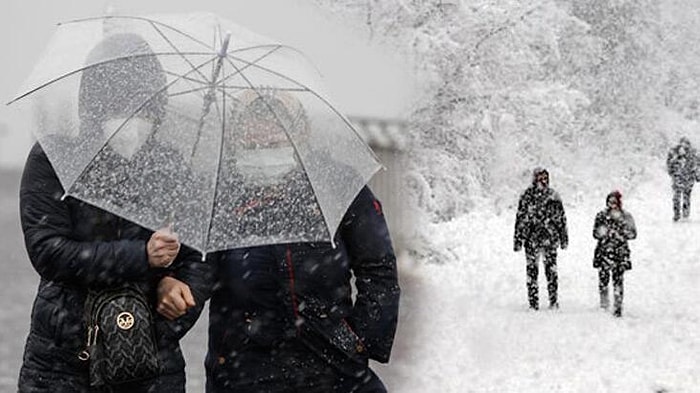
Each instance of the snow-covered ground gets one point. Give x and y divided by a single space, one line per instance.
477 335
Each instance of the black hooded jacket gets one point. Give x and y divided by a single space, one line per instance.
75 247
682 164
302 291
540 220
613 229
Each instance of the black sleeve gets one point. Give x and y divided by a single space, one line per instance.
630 229
198 275
54 252
561 222
375 313
598 225
518 234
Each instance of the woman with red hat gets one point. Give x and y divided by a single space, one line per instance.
613 228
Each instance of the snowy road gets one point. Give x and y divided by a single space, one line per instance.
478 335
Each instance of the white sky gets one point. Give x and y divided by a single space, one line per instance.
362 78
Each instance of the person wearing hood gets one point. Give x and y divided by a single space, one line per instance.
540 227
613 228
682 165
77 248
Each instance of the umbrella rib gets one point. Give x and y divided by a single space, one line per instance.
177 50
147 100
153 21
218 166
324 100
239 71
193 80
66 75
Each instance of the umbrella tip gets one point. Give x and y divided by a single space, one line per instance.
224 44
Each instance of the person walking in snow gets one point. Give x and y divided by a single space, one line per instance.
681 164
540 227
613 228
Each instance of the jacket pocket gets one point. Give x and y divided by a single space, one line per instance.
336 342
58 315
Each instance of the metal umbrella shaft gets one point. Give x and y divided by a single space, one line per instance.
209 96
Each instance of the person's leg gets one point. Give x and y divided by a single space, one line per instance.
550 270
676 203
617 276
686 201
603 280
532 273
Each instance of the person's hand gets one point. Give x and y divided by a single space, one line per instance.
174 298
517 246
162 248
602 231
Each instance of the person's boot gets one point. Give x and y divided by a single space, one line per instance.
617 307
617 312
534 303
553 302
533 295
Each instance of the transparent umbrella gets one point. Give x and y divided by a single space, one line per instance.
194 121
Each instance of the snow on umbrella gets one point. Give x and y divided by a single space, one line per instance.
194 121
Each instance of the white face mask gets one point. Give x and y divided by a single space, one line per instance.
130 137
266 166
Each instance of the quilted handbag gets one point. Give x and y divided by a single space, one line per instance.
121 345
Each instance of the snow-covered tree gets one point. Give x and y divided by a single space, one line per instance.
594 89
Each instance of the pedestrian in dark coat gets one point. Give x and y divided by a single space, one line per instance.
76 247
282 317
682 165
613 228
540 227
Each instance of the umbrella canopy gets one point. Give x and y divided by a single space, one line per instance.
194 121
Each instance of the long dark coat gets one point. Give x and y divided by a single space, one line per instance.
682 165
301 292
74 246
540 220
613 229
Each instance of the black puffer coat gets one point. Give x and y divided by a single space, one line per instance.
682 164
301 292
74 246
540 220
613 229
